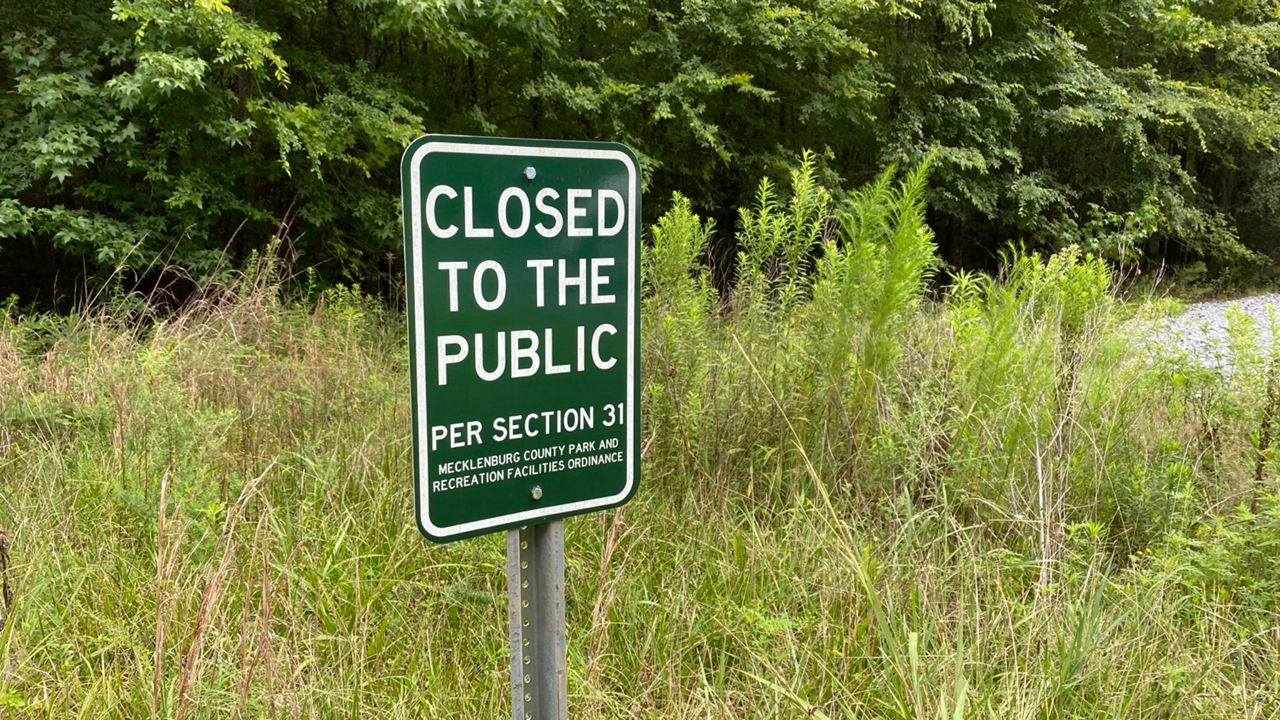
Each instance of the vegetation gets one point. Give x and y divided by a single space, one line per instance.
858 501
157 133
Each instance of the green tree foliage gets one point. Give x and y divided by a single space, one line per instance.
165 131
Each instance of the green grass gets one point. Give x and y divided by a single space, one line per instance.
856 503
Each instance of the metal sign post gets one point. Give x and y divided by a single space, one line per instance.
535 612
522 271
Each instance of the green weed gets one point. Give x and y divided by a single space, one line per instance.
858 501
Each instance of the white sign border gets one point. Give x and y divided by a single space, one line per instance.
420 352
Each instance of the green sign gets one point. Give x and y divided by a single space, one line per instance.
522 267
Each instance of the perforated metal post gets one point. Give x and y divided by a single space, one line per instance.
535 612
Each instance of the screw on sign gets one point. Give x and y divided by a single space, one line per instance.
522 265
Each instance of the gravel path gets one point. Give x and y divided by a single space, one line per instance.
1201 329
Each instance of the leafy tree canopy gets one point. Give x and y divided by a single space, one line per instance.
167 132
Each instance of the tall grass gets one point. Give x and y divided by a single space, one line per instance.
858 501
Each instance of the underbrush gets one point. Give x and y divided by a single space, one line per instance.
859 500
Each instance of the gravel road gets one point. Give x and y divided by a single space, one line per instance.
1201 329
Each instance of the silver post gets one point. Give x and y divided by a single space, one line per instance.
535 613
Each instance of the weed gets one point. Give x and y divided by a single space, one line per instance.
857 501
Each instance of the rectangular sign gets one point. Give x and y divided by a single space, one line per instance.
522 262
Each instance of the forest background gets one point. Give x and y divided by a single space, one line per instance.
145 134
